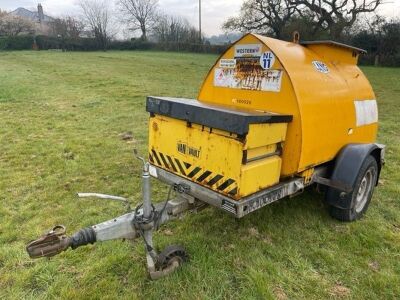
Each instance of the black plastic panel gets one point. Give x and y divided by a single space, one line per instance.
210 115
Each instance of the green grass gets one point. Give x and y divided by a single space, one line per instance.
61 115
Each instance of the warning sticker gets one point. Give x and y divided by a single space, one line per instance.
248 50
224 78
320 66
266 80
227 63
366 112
267 60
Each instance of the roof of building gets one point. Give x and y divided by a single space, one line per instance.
31 15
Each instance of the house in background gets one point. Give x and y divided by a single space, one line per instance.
37 17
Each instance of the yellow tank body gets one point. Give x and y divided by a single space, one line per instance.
268 109
330 99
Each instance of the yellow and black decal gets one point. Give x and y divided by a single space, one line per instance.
202 176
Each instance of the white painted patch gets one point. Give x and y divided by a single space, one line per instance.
267 60
248 50
153 171
366 112
227 63
320 66
272 81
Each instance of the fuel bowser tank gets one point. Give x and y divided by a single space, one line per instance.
267 110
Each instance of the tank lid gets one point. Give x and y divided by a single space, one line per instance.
328 42
215 116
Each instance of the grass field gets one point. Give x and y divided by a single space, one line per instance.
61 117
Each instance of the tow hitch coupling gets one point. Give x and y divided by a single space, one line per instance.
50 244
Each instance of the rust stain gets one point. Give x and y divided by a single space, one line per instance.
250 74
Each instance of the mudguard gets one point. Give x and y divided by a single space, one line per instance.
347 166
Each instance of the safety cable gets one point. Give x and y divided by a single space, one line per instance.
139 220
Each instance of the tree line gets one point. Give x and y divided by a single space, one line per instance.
350 21
101 20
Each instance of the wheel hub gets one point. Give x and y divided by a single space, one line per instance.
364 190
172 254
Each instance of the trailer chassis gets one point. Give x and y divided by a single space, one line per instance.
147 218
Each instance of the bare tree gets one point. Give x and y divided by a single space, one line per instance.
11 25
274 16
97 16
336 15
262 16
140 14
68 27
381 38
174 29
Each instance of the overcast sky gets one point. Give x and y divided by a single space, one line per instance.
215 12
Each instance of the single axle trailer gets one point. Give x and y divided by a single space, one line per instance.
271 119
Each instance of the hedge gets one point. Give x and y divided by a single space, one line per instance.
26 42
90 44
23 42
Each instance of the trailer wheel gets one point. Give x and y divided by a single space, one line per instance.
170 254
361 196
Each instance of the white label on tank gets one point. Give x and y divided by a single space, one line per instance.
248 50
366 112
225 78
267 60
227 63
265 80
320 66
272 81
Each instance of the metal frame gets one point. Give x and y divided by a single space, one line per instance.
146 218
328 42
237 208
138 223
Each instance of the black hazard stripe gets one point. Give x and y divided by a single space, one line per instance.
172 163
164 161
217 181
204 176
156 157
233 192
178 163
194 172
214 180
226 184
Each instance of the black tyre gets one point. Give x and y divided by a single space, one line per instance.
359 199
170 254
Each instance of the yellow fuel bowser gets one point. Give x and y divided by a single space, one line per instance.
271 118
269 114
